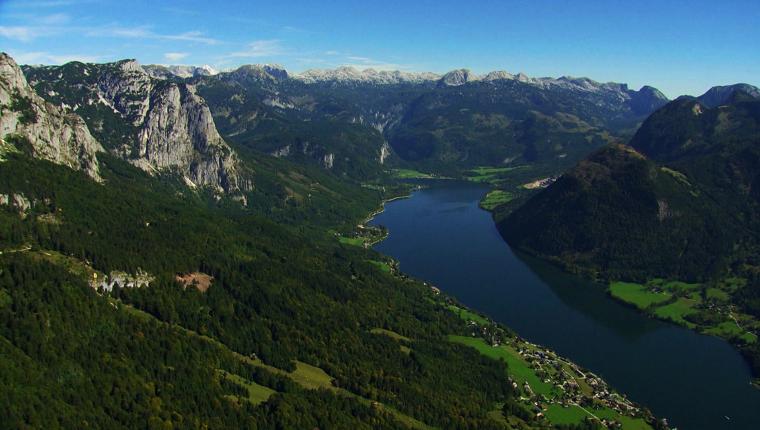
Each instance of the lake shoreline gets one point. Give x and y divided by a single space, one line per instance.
441 235
587 274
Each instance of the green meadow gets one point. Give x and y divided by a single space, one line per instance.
467 315
382 265
676 301
495 198
637 294
410 174
677 310
519 369
487 174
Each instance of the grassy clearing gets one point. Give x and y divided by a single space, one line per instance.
487 174
637 294
717 294
559 415
75 266
519 369
629 423
467 315
306 375
677 310
353 241
680 177
256 393
729 330
495 198
410 174
382 265
675 301
311 377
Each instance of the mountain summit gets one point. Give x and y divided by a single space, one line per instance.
678 203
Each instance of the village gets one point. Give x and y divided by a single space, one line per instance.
548 383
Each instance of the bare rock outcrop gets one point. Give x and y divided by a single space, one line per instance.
176 131
165 126
52 133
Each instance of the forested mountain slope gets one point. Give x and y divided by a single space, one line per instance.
140 301
355 122
158 125
681 203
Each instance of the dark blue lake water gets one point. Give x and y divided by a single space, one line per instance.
441 235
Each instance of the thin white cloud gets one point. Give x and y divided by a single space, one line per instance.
20 33
36 26
145 32
175 56
360 59
259 49
190 36
54 19
53 25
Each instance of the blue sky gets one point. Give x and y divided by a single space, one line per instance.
680 47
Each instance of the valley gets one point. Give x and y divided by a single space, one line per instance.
233 217
442 236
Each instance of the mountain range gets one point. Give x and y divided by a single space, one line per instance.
177 241
352 121
679 203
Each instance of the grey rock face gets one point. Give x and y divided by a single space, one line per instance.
260 73
328 160
385 152
18 202
498 75
366 76
458 77
54 134
170 128
127 87
164 72
176 129
178 132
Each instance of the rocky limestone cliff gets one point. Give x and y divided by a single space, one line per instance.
175 128
458 77
184 72
169 128
127 88
347 74
53 134
178 132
